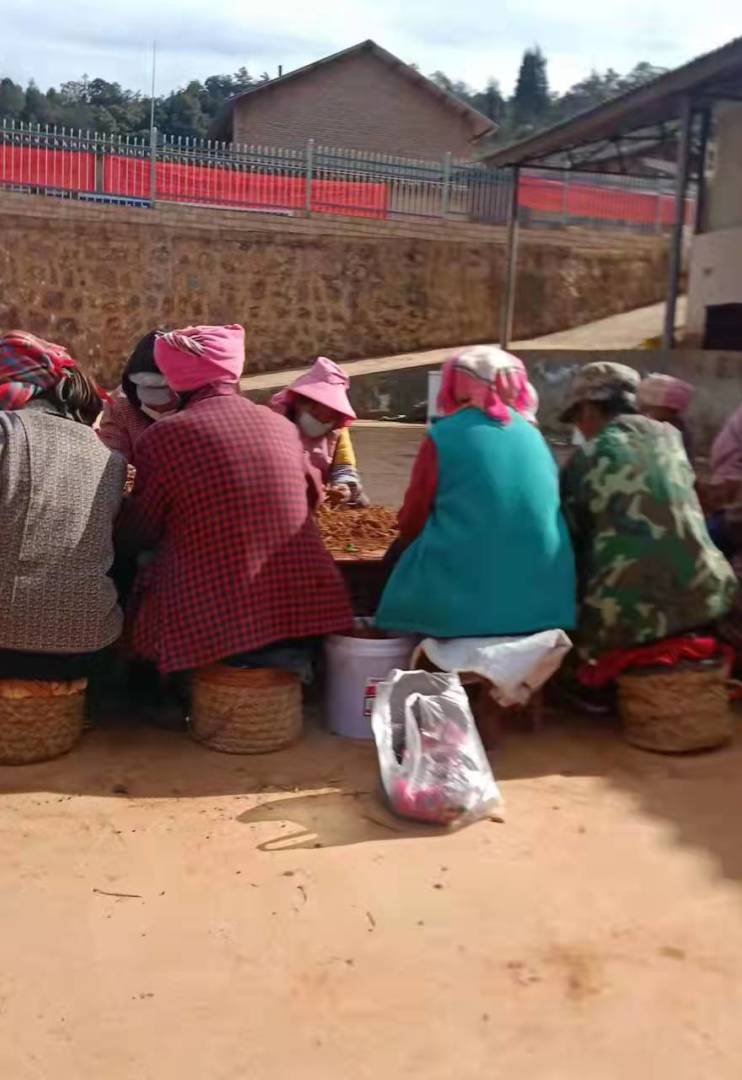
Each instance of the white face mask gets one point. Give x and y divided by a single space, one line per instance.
152 390
155 395
578 439
153 414
312 427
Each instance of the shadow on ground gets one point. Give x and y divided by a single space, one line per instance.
331 819
321 792
324 790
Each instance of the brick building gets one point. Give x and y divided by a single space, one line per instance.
360 99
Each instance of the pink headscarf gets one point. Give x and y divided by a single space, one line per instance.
200 355
530 412
664 391
488 378
325 383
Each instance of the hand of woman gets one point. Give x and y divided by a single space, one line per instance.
338 494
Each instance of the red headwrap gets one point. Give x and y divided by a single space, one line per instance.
29 366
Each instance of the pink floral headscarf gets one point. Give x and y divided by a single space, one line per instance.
489 379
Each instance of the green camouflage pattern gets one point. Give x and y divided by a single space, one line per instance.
646 566
600 381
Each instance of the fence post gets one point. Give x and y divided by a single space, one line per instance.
507 309
100 164
446 188
310 173
675 267
658 213
565 198
153 166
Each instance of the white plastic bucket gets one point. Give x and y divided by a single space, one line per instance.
354 666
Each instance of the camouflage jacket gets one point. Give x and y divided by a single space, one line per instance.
646 566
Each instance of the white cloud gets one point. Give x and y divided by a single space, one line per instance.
470 40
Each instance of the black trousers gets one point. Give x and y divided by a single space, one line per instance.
46 667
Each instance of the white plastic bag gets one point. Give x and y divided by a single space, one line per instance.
515 667
433 766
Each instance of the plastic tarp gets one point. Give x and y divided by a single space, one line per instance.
72 170
176 182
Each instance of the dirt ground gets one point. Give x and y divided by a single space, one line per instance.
168 912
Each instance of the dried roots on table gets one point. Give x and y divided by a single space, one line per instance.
357 532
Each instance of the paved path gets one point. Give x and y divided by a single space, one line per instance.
625 331
385 453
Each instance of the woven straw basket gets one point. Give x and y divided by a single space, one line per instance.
37 728
674 711
250 711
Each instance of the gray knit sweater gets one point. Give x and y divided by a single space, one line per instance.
60 491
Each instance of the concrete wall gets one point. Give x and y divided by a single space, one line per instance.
715 276
724 200
97 277
717 378
356 102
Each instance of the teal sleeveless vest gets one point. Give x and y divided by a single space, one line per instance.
495 557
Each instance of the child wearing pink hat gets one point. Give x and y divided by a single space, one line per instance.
318 404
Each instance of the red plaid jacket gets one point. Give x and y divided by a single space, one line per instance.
221 496
121 425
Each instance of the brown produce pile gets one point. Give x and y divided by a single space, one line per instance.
357 532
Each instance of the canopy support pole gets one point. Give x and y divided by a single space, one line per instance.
701 185
676 237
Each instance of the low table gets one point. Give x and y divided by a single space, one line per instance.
364 576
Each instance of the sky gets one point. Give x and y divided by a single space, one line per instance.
468 39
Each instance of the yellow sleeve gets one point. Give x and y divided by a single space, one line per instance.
344 452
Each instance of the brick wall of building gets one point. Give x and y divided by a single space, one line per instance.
356 102
97 277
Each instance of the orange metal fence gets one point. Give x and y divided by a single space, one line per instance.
141 170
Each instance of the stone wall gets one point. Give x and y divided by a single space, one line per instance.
97 277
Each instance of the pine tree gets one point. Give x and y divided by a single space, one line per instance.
531 100
12 99
490 101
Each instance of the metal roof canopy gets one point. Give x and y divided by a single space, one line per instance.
684 98
636 115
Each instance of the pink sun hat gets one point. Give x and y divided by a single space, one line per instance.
326 383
